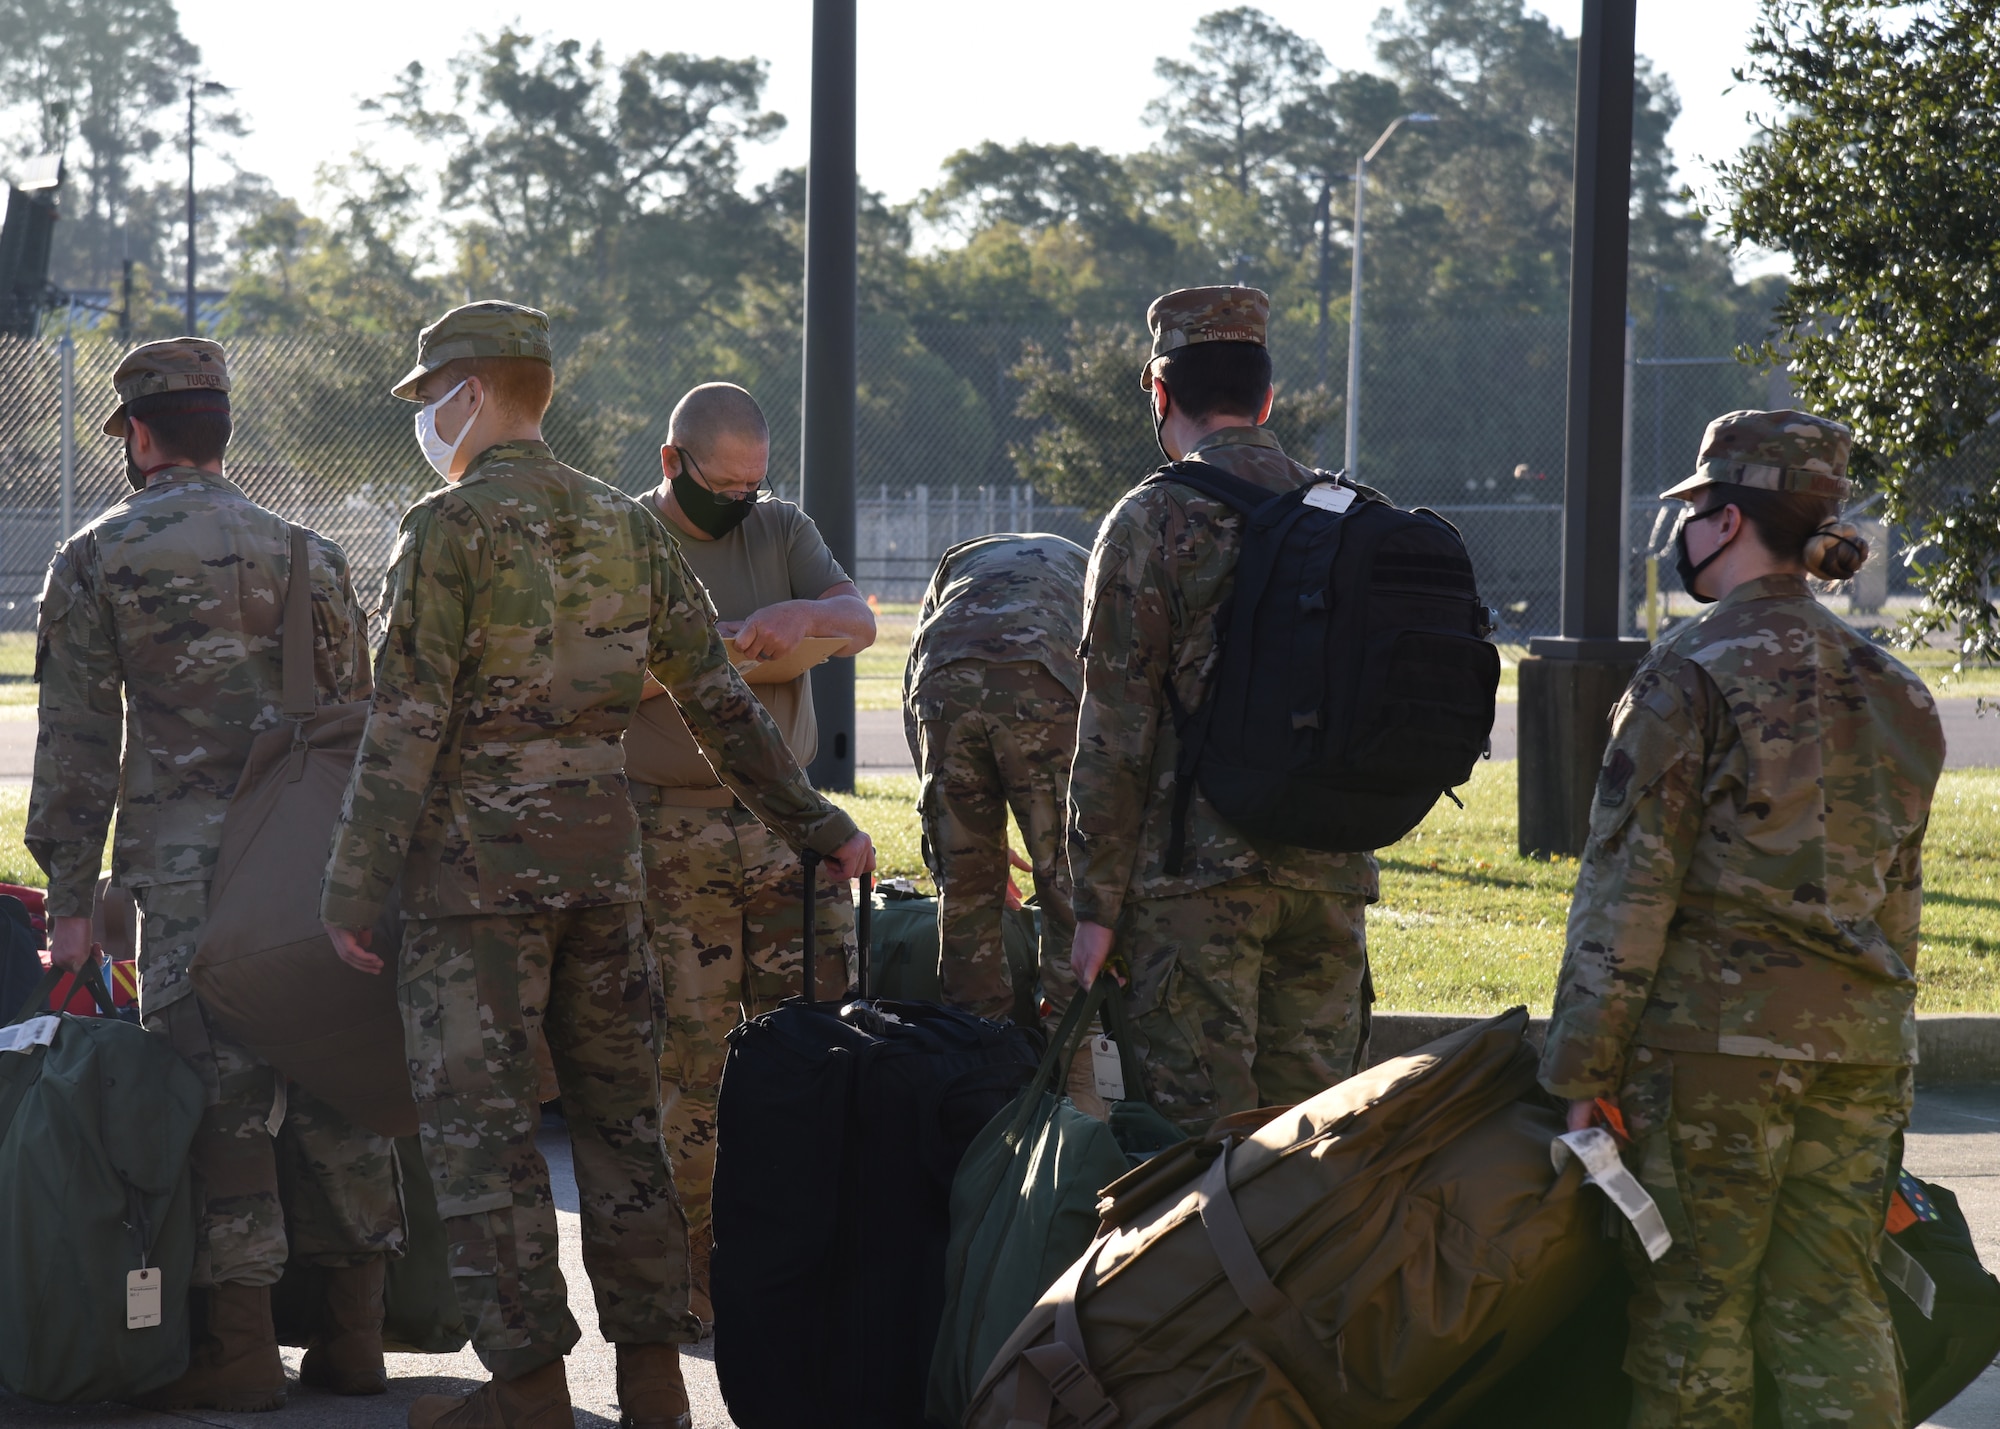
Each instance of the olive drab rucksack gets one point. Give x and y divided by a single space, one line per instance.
1355 683
97 1214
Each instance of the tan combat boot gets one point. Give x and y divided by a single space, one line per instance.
538 1399
700 1243
651 1393
235 1367
346 1355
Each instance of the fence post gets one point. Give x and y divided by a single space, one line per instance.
66 354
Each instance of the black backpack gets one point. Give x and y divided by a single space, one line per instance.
1355 683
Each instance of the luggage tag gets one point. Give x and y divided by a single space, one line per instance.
1329 497
142 1298
1107 1068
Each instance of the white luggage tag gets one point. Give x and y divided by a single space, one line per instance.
142 1298
1107 1067
1598 1151
1330 496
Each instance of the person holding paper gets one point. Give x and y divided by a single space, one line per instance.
725 895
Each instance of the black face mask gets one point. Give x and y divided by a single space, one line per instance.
712 515
134 478
1685 566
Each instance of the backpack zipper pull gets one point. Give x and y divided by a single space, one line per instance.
1454 798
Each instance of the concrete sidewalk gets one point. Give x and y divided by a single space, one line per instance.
1955 1140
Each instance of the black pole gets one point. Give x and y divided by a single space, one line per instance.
1593 514
190 198
827 438
1570 682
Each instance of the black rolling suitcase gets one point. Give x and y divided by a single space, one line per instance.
839 1129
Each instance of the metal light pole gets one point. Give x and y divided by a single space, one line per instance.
1353 462
1570 682
827 422
194 91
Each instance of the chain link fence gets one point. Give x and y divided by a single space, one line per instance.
1465 416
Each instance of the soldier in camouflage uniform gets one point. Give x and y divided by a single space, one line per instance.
165 615
725 895
1248 965
989 706
1741 950
525 604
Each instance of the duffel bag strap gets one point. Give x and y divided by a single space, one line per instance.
1230 1240
1597 1149
1059 1372
89 977
1062 1049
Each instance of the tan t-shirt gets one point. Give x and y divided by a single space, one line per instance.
775 555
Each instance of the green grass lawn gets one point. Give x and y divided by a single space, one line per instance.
1466 924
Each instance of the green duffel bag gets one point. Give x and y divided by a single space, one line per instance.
97 1222
420 1313
903 952
1024 1201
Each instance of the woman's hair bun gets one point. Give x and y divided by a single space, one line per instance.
1836 551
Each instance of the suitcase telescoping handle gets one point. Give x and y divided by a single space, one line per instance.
863 927
809 862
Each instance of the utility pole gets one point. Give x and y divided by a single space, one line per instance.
1569 682
827 422
1353 457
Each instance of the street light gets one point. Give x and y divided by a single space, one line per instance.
1354 301
195 89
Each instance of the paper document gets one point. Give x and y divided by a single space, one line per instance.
803 656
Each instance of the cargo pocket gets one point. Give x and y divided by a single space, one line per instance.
466 1135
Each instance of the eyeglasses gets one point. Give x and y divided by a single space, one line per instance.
755 493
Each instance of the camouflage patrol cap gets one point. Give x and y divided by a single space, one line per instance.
1772 451
1190 315
484 329
175 364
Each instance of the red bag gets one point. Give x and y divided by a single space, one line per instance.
121 978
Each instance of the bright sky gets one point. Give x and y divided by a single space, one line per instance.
934 78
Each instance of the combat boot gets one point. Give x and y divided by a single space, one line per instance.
700 1244
235 1366
346 1354
651 1393
538 1399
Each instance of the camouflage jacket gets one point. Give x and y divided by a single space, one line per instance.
1004 599
1164 563
1753 877
524 605
164 615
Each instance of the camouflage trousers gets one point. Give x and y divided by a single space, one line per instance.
726 901
474 990
1772 1177
989 738
1245 995
343 1205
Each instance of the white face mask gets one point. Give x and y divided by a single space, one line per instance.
437 451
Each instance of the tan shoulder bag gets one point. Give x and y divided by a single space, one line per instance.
266 973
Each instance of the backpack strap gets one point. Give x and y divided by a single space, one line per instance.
295 650
1254 502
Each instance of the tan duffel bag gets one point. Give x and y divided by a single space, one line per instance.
267 975
1377 1256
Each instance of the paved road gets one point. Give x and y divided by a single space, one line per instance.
1955 1140
1973 741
